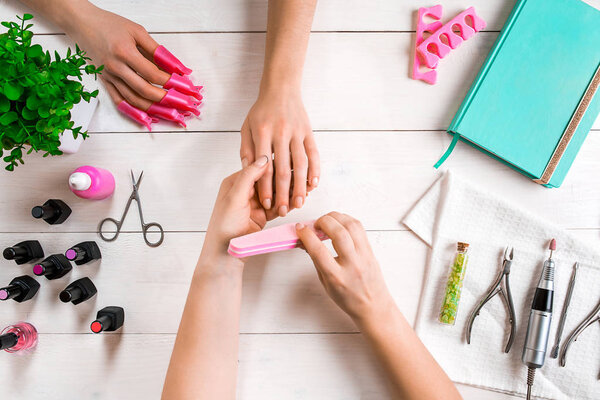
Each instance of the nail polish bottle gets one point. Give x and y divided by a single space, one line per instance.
53 267
92 183
20 289
18 337
108 319
53 211
24 252
78 291
83 252
180 101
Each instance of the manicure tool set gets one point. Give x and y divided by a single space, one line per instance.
540 316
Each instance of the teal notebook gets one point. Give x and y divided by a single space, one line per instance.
536 96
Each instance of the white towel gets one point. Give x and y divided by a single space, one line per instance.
452 211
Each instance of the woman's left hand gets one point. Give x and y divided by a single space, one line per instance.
237 211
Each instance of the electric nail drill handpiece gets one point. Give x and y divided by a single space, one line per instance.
540 317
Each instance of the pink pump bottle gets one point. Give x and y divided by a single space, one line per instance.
92 183
18 337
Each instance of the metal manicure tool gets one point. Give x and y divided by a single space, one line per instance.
563 316
500 286
592 318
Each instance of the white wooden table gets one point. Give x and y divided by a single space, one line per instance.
379 134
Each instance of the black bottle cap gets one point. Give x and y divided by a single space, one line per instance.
78 291
20 289
8 340
84 252
53 211
24 252
53 267
108 319
37 212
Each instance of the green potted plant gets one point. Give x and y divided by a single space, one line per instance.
37 93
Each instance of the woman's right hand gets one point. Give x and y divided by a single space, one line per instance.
353 279
123 47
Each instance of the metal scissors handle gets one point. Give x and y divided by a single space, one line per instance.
119 223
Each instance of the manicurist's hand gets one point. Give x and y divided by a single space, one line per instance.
237 209
353 279
122 46
277 123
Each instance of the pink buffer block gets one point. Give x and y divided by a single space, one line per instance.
434 12
180 101
442 41
184 85
139 116
167 113
168 62
269 240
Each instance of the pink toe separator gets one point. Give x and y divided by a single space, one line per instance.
167 113
168 62
433 48
180 101
434 12
136 114
184 85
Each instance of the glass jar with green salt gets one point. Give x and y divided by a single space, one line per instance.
454 285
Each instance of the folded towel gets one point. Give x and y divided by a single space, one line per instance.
451 211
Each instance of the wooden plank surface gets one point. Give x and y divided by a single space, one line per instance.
250 15
375 176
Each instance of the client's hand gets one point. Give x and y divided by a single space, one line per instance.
124 48
353 279
237 210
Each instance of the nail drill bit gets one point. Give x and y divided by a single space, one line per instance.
540 317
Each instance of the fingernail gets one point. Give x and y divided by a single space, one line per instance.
267 204
244 162
261 161
299 200
283 211
315 181
299 226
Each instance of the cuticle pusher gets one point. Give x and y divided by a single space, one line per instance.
563 315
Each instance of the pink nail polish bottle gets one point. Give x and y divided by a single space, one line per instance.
168 62
184 85
92 183
18 337
180 101
167 113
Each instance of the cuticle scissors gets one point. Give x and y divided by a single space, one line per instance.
504 290
145 226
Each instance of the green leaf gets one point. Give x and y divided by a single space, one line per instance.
8 118
12 91
29 114
35 51
27 17
4 104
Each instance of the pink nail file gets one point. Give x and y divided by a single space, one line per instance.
166 113
168 62
434 12
433 48
184 85
279 238
180 101
139 116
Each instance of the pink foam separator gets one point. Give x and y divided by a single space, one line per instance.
139 116
434 12
279 238
184 85
442 41
168 62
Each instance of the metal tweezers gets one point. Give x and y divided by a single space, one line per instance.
500 286
592 318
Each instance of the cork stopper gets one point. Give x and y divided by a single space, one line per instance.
462 246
